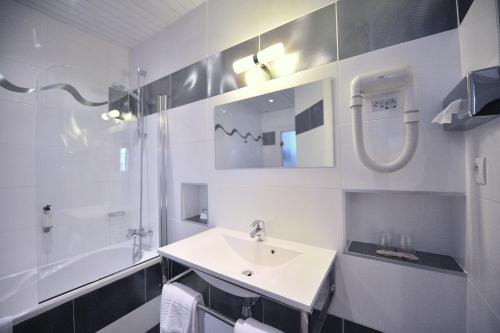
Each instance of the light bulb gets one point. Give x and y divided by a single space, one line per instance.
285 65
114 113
127 116
271 100
243 64
271 53
105 116
256 76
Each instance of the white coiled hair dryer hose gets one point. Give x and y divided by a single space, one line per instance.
379 83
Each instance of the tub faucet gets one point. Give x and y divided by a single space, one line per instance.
257 230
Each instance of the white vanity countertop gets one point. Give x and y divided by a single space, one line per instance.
289 272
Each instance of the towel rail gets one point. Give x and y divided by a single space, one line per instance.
217 315
304 315
202 307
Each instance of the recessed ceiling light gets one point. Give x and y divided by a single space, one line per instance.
271 100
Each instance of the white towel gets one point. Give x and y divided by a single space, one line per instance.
6 325
251 325
179 312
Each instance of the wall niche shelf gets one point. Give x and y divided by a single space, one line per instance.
194 198
427 260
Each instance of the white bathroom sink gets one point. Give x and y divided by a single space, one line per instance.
289 272
260 253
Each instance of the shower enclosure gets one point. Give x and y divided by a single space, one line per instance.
92 214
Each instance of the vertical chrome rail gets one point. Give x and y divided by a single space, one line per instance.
142 137
162 167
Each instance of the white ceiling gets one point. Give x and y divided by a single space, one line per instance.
281 100
126 22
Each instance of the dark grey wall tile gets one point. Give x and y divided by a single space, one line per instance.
195 282
302 122
176 268
221 76
269 138
463 8
231 305
281 316
350 327
310 118
317 118
59 319
332 323
370 25
189 84
154 281
313 36
151 92
155 329
101 307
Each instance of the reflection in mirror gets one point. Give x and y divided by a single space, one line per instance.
122 103
287 128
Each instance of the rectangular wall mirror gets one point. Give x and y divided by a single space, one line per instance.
290 128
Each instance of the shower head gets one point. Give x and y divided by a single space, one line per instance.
141 72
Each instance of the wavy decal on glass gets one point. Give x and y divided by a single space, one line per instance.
72 90
4 83
244 137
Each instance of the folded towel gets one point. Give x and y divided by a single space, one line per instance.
253 326
6 325
179 312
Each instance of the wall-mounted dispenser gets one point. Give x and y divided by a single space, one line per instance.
47 222
474 101
381 83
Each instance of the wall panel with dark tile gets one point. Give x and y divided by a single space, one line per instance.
59 319
97 309
370 25
189 84
221 76
313 37
281 316
103 306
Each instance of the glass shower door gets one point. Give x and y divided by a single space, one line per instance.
88 160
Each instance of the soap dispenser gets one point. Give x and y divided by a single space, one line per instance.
47 218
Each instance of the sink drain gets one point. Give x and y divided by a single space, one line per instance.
247 273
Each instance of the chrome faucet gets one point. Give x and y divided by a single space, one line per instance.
257 230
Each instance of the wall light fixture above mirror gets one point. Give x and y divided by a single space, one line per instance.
288 128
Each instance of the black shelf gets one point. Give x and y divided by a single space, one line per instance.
196 219
426 259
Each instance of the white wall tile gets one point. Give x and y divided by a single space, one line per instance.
18 165
177 229
483 249
18 26
479 31
17 208
188 123
436 71
306 215
277 12
15 259
480 317
427 218
482 142
438 163
395 298
18 123
161 54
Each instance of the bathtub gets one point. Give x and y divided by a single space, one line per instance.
24 291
